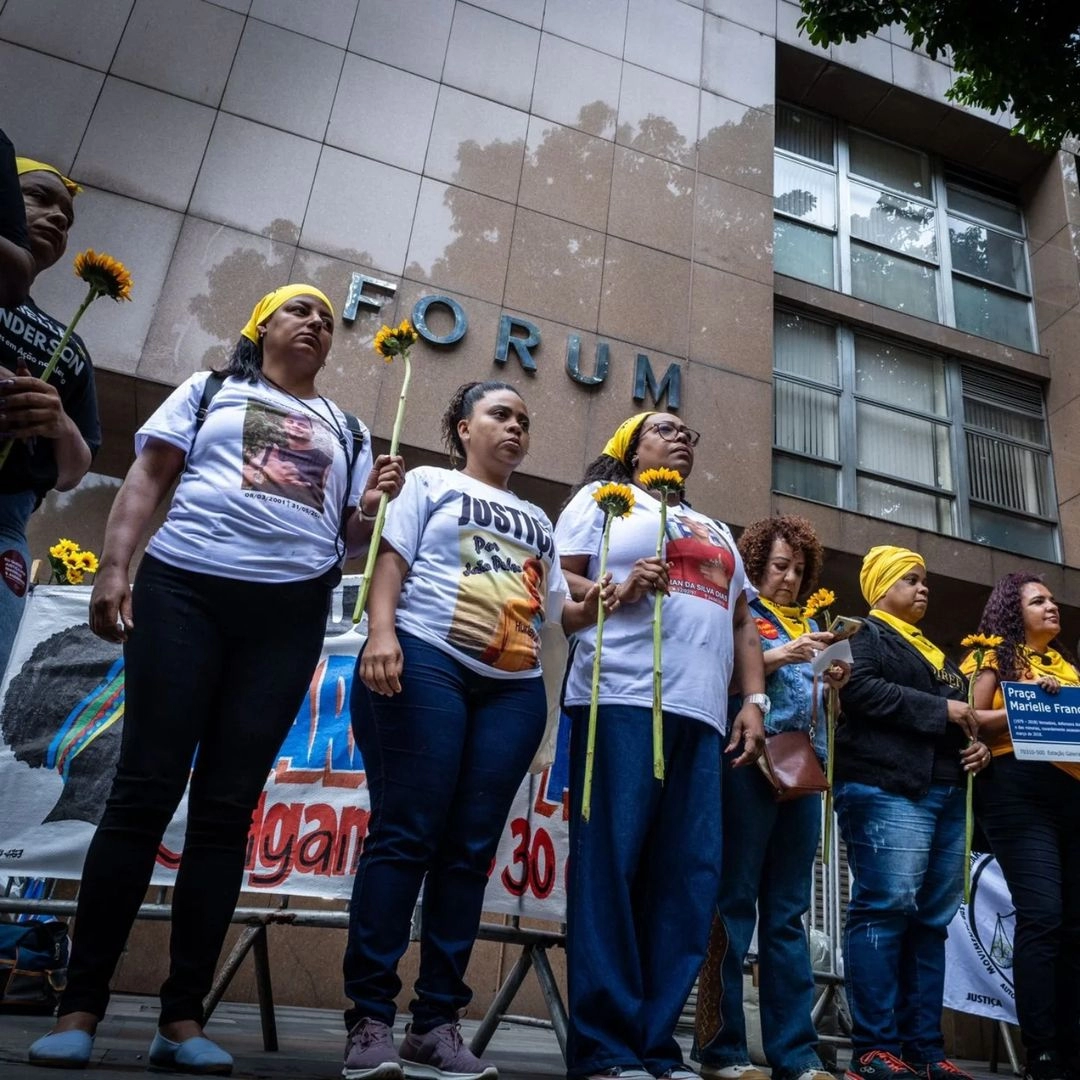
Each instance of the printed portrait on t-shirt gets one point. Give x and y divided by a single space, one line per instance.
286 454
503 585
702 562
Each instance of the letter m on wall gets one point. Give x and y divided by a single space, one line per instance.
645 379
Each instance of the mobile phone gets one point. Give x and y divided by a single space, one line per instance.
843 626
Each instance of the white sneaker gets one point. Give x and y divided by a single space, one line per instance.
678 1072
734 1072
815 1074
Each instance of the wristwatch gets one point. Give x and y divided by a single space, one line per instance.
761 701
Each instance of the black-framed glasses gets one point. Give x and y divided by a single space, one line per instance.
670 432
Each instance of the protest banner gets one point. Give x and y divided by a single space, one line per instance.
60 724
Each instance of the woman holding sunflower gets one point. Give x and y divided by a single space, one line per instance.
644 868
54 423
222 631
769 847
1030 812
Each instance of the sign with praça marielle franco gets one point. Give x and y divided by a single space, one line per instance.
1044 727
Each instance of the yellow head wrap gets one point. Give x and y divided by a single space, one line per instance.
619 443
25 165
883 567
273 300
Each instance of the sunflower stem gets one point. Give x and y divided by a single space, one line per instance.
969 810
384 499
50 367
590 741
832 701
657 675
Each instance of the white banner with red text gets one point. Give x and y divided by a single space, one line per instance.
61 719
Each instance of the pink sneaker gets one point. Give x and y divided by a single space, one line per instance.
441 1054
370 1053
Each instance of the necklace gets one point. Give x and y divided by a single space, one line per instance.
330 420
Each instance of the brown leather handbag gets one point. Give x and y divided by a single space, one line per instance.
791 766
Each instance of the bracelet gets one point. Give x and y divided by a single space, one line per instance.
367 517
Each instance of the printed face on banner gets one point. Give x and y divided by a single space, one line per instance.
286 454
702 562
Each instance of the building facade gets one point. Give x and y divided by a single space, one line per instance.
866 298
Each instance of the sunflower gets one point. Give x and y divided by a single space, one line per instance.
668 481
63 549
819 601
105 275
85 561
393 341
615 499
74 575
980 641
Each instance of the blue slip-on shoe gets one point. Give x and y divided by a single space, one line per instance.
195 1055
62 1050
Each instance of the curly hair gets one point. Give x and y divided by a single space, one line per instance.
755 546
1003 616
461 408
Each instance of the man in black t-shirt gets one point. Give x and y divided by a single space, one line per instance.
54 424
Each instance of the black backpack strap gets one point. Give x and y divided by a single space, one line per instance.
213 384
357 435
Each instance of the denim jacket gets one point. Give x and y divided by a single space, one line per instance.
790 687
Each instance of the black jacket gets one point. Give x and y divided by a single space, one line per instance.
893 715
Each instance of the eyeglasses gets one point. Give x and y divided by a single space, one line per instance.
673 433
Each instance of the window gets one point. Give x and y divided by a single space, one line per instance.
868 424
889 224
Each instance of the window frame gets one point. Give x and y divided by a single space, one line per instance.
943 175
846 466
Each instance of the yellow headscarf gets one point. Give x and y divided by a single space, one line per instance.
273 300
25 165
883 567
617 446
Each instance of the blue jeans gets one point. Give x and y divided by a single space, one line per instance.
15 511
769 850
906 858
444 759
642 881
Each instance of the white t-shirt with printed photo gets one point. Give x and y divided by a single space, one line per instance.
483 574
264 483
706 580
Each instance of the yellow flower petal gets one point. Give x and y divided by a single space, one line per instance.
104 274
665 480
981 641
615 499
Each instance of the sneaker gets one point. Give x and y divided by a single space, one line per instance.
370 1053
678 1072
940 1070
622 1072
441 1054
815 1074
1045 1065
733 1072
879 1065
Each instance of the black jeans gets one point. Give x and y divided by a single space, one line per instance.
215 670
1030 811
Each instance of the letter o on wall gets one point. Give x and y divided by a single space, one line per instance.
419 318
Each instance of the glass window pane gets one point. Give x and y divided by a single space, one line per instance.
992 314
893 282
802 252
1007 422
805 478
894 166
804 134
805 420
900 376
892 222
805 347
904 506
1031 538
988 254
967 202
805 192
904 446
1008 475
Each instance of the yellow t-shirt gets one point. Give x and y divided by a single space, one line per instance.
1039 664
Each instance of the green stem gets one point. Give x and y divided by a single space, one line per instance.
384 499
657 675
831 703
590 742
50 367
969 812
